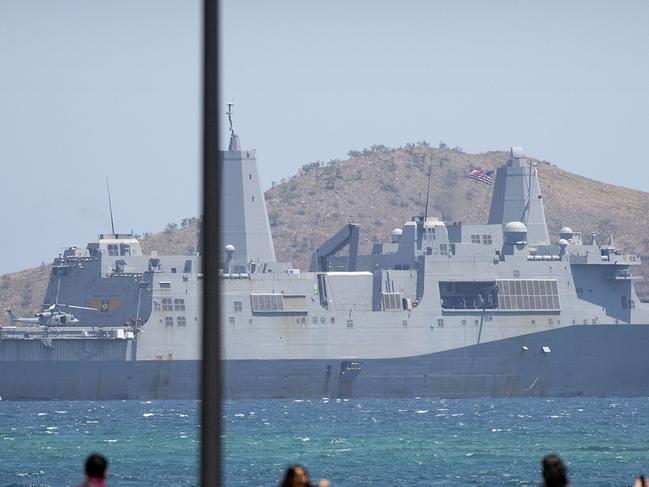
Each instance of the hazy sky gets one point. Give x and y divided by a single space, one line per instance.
90 89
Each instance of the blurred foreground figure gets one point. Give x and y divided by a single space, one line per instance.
298 476
641 481
555 472
96 471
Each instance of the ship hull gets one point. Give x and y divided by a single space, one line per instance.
589 360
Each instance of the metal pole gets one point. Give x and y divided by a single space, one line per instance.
211 367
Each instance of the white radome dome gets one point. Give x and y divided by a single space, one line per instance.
566 232
515 227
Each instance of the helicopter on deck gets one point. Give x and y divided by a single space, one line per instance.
50 316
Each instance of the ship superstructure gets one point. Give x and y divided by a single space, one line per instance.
442 308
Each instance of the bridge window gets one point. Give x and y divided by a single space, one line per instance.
167 304
124 249
350 323
113 249
179 304
169 321
475 239
188 267
443 249
231 320
323 320
440 322
156 306
237 306
181 321
486 239
165 284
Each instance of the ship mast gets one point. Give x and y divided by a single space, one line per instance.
230 113
110 207
234 138
430 171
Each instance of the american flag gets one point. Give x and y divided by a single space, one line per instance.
482 175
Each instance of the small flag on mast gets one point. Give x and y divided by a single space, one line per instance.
482 175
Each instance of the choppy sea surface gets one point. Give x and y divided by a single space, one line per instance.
356 442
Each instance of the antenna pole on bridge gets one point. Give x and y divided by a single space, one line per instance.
110 207
430 170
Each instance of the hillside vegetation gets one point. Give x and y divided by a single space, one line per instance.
381 188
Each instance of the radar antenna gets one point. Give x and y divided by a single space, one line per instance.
110 207
230 113
430 170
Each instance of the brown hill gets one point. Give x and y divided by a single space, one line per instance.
380 189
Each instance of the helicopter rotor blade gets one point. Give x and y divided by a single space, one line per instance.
78 307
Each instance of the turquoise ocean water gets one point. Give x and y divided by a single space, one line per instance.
356 442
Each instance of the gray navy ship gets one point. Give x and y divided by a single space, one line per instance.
440 309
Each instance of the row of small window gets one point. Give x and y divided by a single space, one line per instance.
155 263
440 322
322 320
180 321
300 321
169 304
486 239
551 321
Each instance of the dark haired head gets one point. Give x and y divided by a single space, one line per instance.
296 476
555 473
96 466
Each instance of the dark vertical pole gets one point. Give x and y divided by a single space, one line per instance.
211 367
